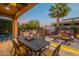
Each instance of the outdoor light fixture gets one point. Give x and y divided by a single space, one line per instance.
14 4
7 8
8 4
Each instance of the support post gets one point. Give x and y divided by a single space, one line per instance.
15 27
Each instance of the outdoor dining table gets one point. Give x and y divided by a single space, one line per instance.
35 45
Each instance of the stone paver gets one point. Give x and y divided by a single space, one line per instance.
5 48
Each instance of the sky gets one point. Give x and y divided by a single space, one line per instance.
40 12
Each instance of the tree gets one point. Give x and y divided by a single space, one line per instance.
59 10
33 24
53 24
23 26
73 22
61 24
20 27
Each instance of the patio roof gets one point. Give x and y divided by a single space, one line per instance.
13 10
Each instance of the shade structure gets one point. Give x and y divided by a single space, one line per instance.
13 11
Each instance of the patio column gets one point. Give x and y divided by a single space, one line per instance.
15 27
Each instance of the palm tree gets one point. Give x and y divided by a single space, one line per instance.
59 10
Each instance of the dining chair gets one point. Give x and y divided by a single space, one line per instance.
21 44
17 48
56 51
48 52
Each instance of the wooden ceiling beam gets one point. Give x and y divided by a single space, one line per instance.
19 12
28 7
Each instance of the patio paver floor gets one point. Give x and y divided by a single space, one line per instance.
5 48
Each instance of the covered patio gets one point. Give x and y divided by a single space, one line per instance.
14 11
